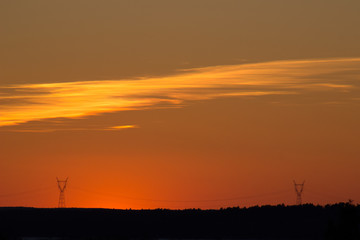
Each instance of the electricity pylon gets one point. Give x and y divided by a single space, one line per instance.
299 187
62 186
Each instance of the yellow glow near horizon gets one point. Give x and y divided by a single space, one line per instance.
32 102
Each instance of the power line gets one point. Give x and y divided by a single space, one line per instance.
26 192
190 201
325 195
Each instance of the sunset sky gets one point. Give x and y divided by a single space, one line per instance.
179 104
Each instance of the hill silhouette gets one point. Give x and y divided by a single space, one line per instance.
338 221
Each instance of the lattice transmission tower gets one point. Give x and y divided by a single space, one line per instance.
62 187
299 188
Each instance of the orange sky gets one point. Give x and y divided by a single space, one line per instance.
155 104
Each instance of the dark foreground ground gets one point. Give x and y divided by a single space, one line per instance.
339 221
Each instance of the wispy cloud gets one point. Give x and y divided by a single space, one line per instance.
122 127
33 102
47 130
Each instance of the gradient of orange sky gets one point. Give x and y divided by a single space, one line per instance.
181 104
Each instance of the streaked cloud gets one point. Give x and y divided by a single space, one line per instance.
36 102
122 127
47 130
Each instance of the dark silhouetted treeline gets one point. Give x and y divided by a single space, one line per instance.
339 221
